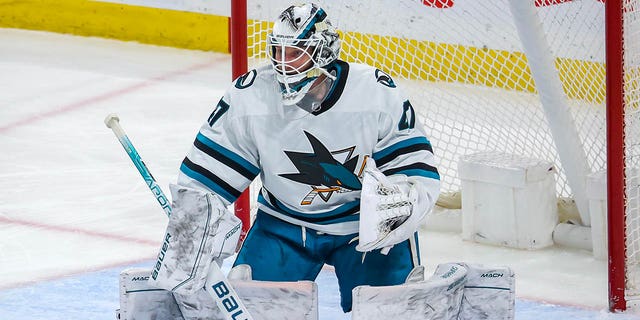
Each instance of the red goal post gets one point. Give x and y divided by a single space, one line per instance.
550 79
616 184
238 48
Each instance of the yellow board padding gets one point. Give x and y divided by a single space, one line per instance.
430 61
172 28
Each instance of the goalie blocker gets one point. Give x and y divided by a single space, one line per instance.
200 231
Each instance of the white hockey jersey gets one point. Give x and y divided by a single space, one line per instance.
310 164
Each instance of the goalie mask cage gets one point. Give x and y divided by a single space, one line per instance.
548 79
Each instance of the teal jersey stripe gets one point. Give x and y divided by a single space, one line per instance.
419 172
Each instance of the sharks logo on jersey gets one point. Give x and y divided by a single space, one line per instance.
321 171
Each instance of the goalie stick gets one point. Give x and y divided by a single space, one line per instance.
217 285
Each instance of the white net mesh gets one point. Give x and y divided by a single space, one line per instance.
466 72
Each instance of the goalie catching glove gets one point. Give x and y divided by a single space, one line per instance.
200 230
391 208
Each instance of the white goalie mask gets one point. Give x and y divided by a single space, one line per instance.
301 44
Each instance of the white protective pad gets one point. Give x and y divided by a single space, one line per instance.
439 297
200 230
265 300
140 301
489 293
391 208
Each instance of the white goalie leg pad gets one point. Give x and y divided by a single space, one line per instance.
200 230
489 293
439 297
198 306
140 301
279 300
265 300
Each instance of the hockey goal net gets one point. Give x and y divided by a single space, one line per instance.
520 77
